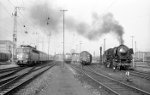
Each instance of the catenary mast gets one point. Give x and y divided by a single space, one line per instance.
63 11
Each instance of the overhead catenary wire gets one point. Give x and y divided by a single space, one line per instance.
27 27
34 26
18 11
22 2
9 13
17 2
109 6
28 21
11 3
14 6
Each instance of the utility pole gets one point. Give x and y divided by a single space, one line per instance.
133 51
48 44
37 40
80 45
94 56
104 50
43 44
101 60
76 48
104 44
15 33
132 41
135 47
48 37
63 11
143 57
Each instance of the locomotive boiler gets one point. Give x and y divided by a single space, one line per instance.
118 57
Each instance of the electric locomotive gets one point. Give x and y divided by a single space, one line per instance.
28 55
68 58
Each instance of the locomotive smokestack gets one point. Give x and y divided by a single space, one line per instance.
121 41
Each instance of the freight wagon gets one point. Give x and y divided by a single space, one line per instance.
85 58
6 48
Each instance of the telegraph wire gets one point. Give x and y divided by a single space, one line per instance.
22 2
27 21
11 3
112 3
27 27
17 2
109 6
26 18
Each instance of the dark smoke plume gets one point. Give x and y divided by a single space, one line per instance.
100 26
49 18
111 25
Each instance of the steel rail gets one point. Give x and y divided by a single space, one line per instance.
106 87
128 86
140 74
9 69
10 86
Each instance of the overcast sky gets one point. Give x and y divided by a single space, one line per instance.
87 23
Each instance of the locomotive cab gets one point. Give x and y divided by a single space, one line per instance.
30 56
23 55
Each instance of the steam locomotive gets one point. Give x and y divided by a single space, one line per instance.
118 57
29 56
85 58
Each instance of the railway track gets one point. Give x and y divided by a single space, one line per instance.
14 83
148 67
9 69
9 76
9 72
136 73
140 74
112 86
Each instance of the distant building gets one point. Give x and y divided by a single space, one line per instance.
6 49
142 56
6 46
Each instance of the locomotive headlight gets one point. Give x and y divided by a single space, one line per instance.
122 50
19 56
22 56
